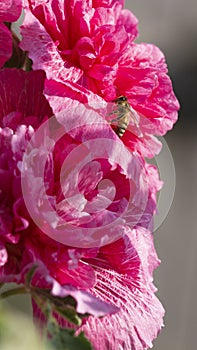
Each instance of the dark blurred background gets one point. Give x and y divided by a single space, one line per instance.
172 25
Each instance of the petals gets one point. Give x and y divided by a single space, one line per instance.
22 92
149 88
148 145
130 22
10 10
90 148
56 93
86 303
20 222
22 102
43 51
99 55
5 44
124 276
3 255
138 321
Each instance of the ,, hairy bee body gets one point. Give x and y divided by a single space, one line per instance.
124 114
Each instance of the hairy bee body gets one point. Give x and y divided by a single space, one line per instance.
124 114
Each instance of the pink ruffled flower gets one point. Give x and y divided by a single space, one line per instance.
9 12
90 47
68 48
114 194
131 200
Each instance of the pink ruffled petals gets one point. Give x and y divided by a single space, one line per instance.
82 55
23 105
68 57
20 141
61 19
138 321
22 100
21 223
3 255
123 273
81 276
5 44
87 147
120 256
142 77
86 302
57 92
154 184
99 55
147 146
44 52
124 277
6 227
143 241
130 23
11 219
10 10
63 263
134 255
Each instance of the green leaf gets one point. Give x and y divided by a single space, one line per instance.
29 275
65 307
69 314
13 291
64 339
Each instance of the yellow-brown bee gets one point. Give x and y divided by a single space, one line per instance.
124 114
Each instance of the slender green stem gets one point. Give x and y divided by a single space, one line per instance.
14 291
